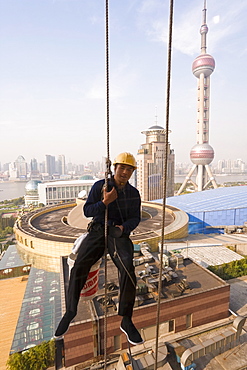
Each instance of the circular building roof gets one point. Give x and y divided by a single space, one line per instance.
156 127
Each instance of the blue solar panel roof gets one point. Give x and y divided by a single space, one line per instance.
211 200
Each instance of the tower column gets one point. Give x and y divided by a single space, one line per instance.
201 109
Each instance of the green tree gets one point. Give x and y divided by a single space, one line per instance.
18 201
230 270
39 357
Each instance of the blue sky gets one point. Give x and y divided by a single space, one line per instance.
52 76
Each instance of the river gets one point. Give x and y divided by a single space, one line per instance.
11 190
219 178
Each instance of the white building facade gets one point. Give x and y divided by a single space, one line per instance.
56 192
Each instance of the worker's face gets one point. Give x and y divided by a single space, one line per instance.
123 173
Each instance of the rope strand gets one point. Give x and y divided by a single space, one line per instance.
164 178
108 169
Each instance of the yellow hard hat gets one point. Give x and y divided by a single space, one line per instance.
125 158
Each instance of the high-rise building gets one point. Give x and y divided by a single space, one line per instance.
34 165
5 167
50 164
13 173
21 166
202 153
61 164
150 165
34 172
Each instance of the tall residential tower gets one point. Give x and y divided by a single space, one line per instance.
202 153
150 164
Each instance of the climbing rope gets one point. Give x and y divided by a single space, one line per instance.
108 167
164 179
108 173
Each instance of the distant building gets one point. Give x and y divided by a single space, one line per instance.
21 166
13 171
150 165
34 172
61 164
18 169
34 165
50 164
32 195
231 166
56 192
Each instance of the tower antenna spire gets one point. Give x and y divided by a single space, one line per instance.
204 30
156 116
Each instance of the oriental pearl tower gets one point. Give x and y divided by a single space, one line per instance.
202 153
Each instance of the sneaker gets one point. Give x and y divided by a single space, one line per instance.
130 331
63 326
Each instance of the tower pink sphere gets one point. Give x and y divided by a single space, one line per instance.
204 63
202 154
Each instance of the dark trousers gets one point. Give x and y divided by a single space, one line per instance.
90 251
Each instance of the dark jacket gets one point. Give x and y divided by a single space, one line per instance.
125 210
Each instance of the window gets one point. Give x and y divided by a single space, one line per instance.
39 280
189 321
117 342
54 282
37 289
34 312
53 290
35 299
40 272
171 325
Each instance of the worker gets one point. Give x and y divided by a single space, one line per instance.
123 203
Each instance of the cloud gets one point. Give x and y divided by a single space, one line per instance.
228 20
216 19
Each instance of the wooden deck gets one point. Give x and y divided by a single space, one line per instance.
11 296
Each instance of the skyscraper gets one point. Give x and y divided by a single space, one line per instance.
202 153
34 173
21 166
50 164
150 164
34 165
61 164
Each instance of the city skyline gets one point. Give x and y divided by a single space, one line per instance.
229 165
53 77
